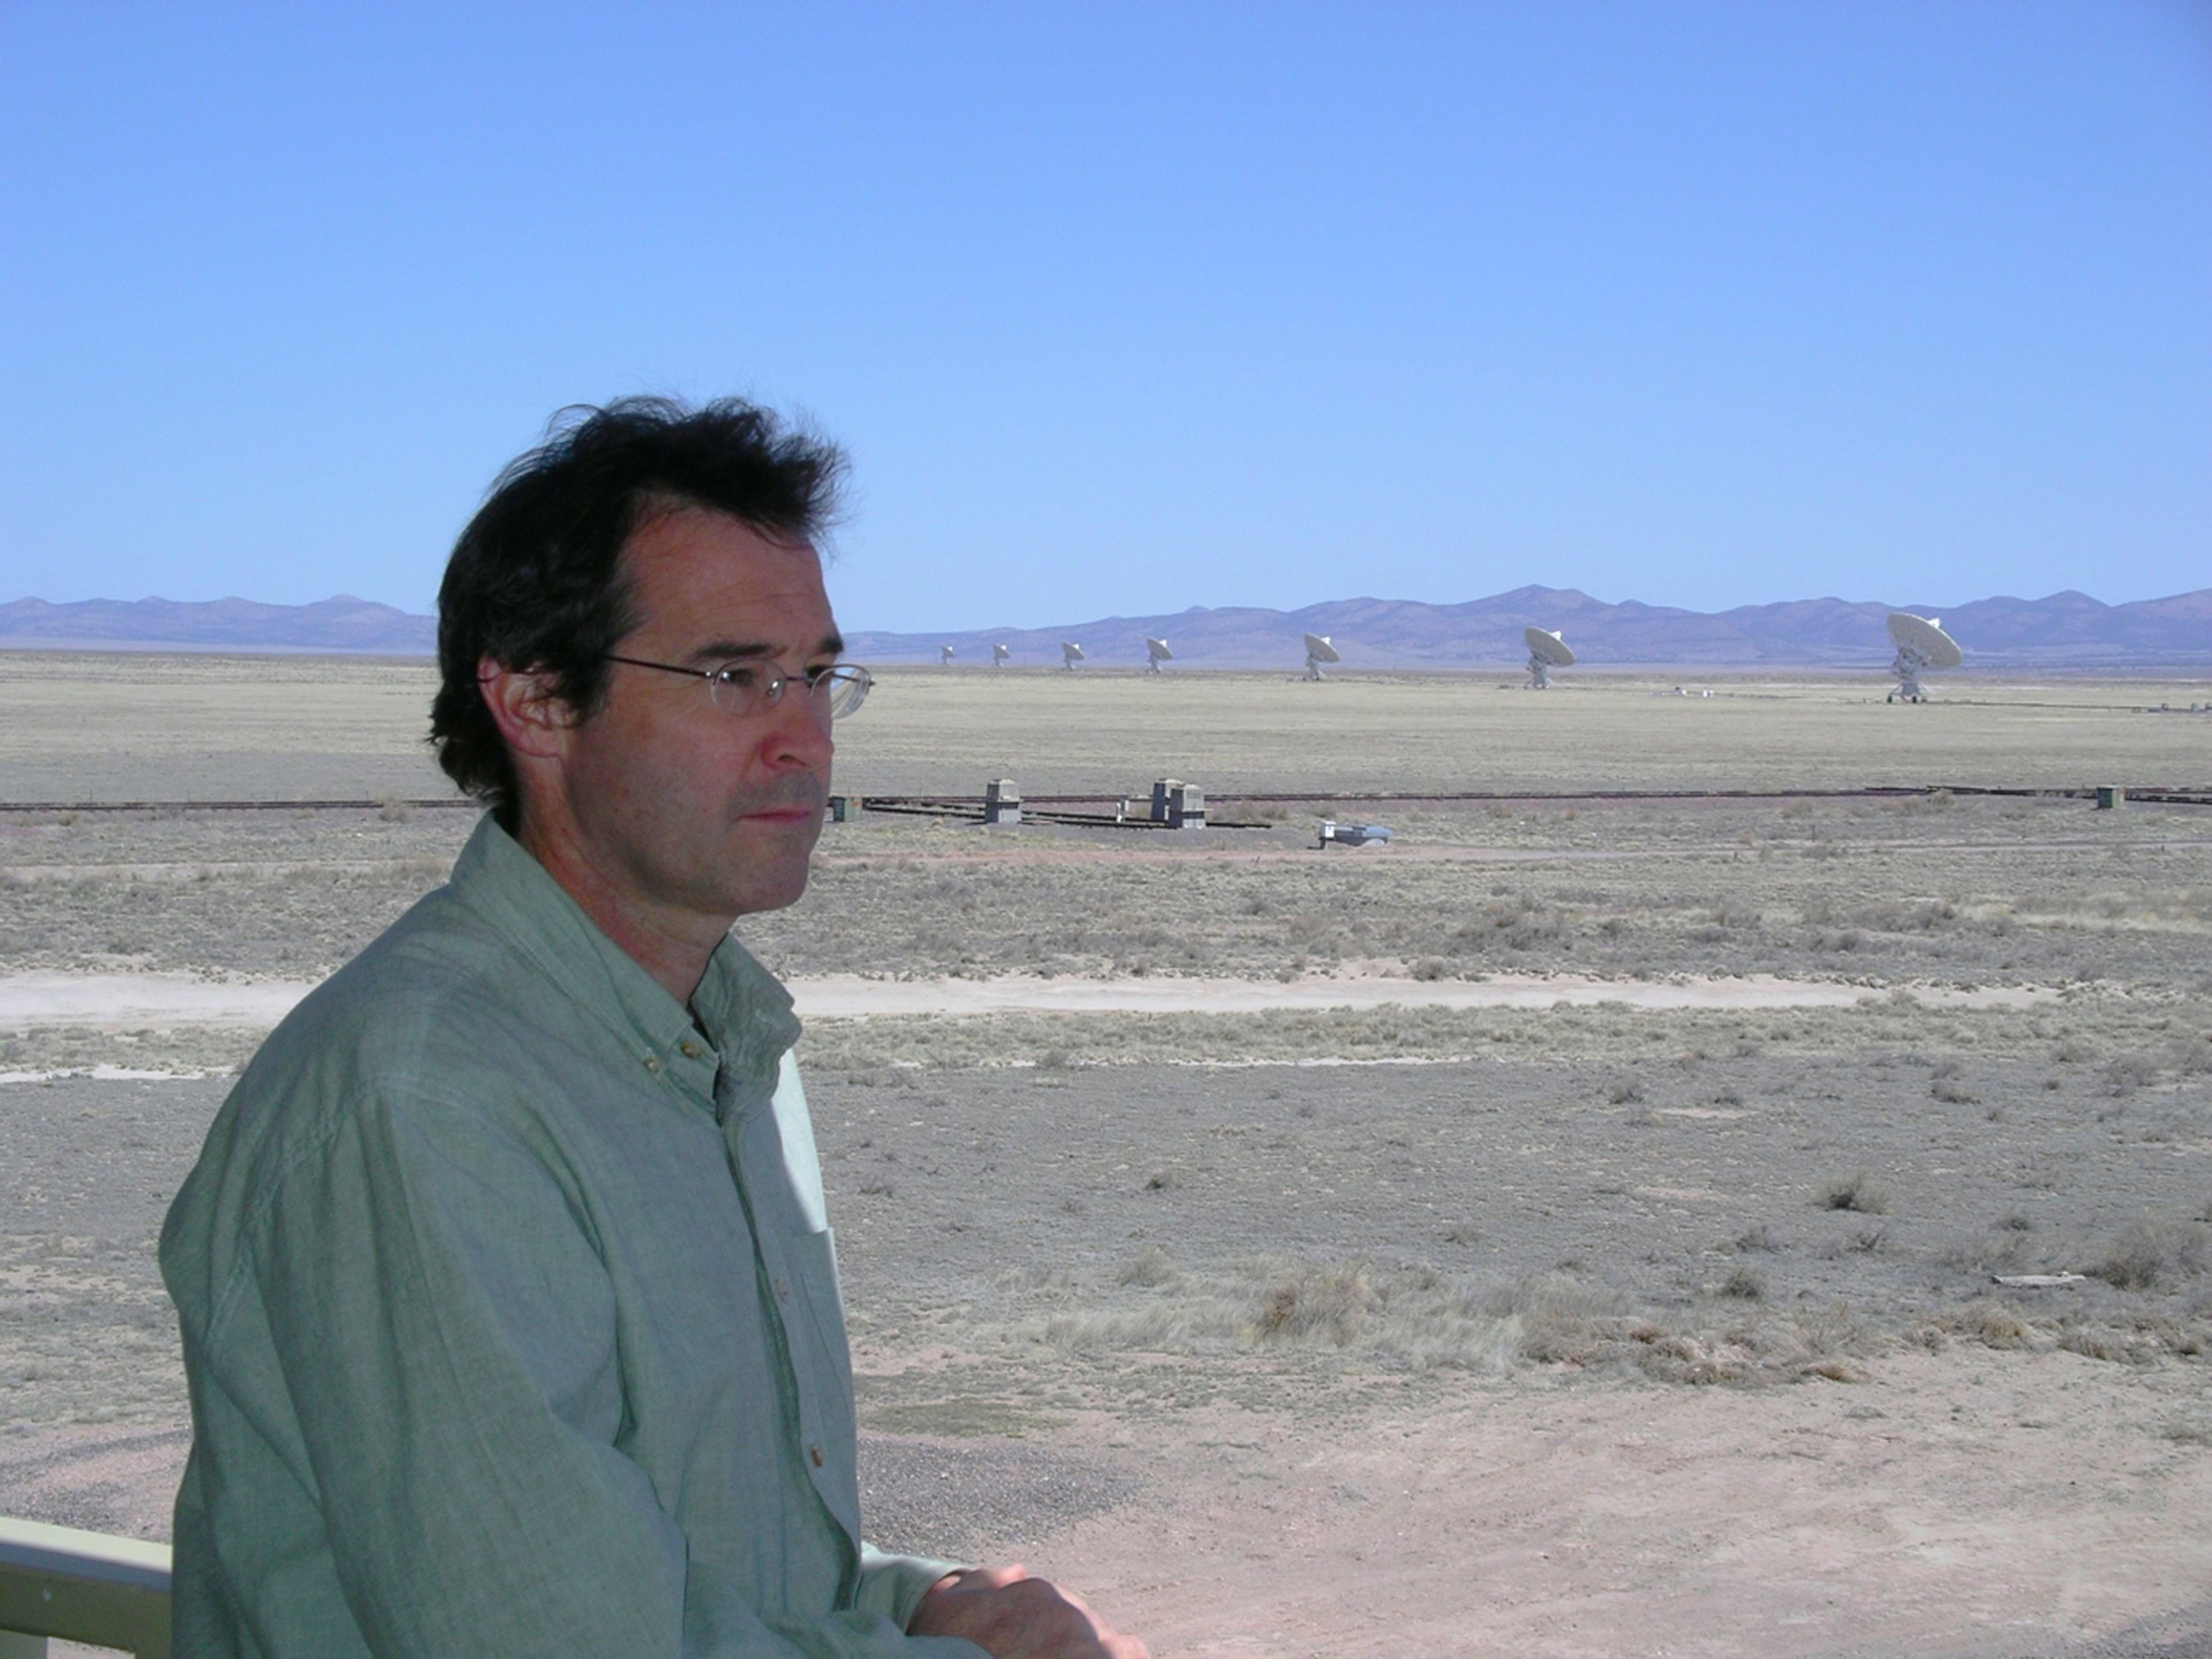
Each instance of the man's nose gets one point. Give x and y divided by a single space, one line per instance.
798 728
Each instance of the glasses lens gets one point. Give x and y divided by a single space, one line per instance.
736 687
848 689
744 688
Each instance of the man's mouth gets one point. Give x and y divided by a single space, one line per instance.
799 809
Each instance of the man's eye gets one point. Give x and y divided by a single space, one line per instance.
738 675
816 675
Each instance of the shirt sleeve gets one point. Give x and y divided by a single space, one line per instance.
447 1339
894 1585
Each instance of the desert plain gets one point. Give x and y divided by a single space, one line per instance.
1733 1175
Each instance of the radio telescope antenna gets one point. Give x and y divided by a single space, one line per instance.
947 655
1319 651
1546 651
1156 653
1070 654
999 655
1920 643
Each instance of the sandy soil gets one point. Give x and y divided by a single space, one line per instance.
1939 1510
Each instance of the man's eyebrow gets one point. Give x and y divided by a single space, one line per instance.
714 651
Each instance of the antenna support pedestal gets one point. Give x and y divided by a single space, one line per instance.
1002 801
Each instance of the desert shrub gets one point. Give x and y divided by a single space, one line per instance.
1745 1283
1519 922
1333 1303
1556 1319
2129 1072
1756 1237
2148 1253
1856 1192
1622 1090
1910 915
1995 1325
1172 1326
2143 1340
1945 1084
1151 1269
1995 1251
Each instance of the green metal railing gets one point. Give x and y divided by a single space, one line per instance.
56 1582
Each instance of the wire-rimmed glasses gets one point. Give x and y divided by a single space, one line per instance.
747 687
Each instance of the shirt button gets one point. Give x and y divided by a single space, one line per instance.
814 1452
691 1050
652 1064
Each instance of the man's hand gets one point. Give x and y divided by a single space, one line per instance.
1011 1615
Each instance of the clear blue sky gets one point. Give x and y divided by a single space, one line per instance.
1126 306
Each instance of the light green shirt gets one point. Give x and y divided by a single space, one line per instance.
511 1315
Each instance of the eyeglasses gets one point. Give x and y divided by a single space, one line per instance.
747 688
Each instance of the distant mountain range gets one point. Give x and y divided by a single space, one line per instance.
2066 630
343 625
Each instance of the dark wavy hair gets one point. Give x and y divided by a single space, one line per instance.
537 581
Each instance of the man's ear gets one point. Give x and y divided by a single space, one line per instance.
530 715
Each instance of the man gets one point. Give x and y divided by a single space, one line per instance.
510 1312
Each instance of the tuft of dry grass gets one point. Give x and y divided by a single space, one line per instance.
2149 1254
1945 1084
1856 1192
1151 1269
1745 1283
1331 1303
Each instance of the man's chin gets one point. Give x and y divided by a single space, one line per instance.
772 865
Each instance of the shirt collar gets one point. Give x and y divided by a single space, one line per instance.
742 1009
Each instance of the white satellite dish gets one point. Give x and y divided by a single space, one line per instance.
1156 653
1070 654
999 655
1319 651
1546 651
946 654
1920 643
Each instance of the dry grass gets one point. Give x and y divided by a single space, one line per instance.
1597 1190
1857 1191
2150 1254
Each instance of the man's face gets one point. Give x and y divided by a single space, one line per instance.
684 812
